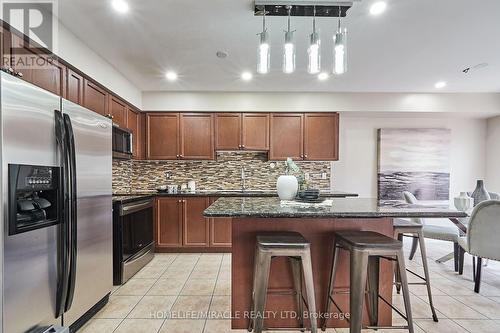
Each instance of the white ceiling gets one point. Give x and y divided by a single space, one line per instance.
414 44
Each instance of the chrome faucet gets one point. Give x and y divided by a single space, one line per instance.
243 179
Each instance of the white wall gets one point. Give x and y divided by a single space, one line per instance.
357 169
480 105
74 51
493 155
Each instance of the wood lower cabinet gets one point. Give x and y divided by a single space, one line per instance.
220 230
118 111
168 215
196 136
162 136
321 136
74 87
196 228
95 98
180 224
287 136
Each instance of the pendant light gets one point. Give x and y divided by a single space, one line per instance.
313 51
263 53
289 48
340 50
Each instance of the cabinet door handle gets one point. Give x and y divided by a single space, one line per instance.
242 146
177 155
305 155
179 201
181 156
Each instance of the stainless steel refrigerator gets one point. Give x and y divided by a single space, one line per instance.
56 209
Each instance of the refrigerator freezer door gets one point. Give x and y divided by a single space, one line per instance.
94 259
30 258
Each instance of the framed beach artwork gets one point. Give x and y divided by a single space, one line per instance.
415 160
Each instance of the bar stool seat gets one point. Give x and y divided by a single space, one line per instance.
282 239
367 239
366 248
297 249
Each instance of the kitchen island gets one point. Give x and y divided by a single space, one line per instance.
251 216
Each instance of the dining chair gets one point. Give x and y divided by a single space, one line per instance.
481 240
438 232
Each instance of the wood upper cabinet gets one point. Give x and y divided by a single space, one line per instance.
95 98
168 216
248 131
287 133
321 136
228 131
220 230
118 111
197 136
196 228
162 136
309 136
136 124
34 66
74 87
255 131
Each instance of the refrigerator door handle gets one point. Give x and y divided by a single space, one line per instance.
63 232
70 138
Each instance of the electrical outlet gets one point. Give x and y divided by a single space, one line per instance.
306 176
323 175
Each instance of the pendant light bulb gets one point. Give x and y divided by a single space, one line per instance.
289 48
314 66
264 52
340 51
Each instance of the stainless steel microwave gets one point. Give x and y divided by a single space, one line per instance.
122 143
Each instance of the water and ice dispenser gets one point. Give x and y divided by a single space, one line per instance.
35 194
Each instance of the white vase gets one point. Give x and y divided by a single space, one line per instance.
463 202
287 187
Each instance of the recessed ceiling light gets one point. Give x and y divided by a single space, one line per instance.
120 6
440 84
378 8
246 76
323 76
171 76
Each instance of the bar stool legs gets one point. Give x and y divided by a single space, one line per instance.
364 270
358 271
297 250
262 280
419 236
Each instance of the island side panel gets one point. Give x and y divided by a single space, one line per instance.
320 232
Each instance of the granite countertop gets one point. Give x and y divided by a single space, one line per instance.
129 197
341 208
229 193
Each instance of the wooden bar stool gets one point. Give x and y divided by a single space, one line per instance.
366 248
283 244
415 230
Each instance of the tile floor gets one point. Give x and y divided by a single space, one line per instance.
188 284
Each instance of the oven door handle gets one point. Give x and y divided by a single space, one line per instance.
129 209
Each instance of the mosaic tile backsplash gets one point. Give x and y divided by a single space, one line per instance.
222 174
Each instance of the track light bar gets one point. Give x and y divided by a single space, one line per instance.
303 8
